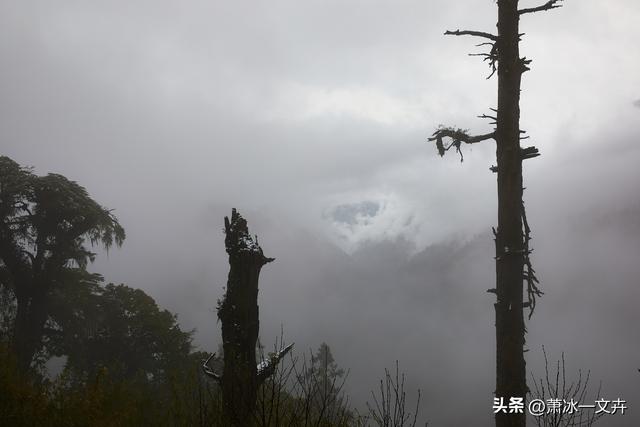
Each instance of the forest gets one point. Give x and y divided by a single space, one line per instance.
223 215
126 360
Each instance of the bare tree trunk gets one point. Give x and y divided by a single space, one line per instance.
238 312
512 236
510 329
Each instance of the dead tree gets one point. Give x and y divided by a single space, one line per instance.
238 313
512 235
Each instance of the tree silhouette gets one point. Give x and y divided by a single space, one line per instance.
324 380
512 235
389 408
45 222
555 385
238 313
123 329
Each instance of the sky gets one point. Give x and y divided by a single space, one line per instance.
312 118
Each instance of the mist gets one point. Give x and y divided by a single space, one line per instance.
312 118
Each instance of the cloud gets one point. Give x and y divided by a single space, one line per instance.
311 118
355 213
359 104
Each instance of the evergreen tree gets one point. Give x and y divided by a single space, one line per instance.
122 329
323 381
47 225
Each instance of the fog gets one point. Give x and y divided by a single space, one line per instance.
311 118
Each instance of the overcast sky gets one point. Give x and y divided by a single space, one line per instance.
311 118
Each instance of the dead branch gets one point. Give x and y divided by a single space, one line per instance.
529 152
472 33
551 4
486 116
529 274
457 136
267 367
209 372
524 64
491 57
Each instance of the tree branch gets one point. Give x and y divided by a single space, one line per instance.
491 57
486 116
458 136
529 153
267 367
551 4
529 274
472 33
209 372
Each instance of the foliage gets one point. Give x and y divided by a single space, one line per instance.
127 362
46 220
122 329
182 400
7 313
47 225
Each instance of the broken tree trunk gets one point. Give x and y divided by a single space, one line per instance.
238 313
